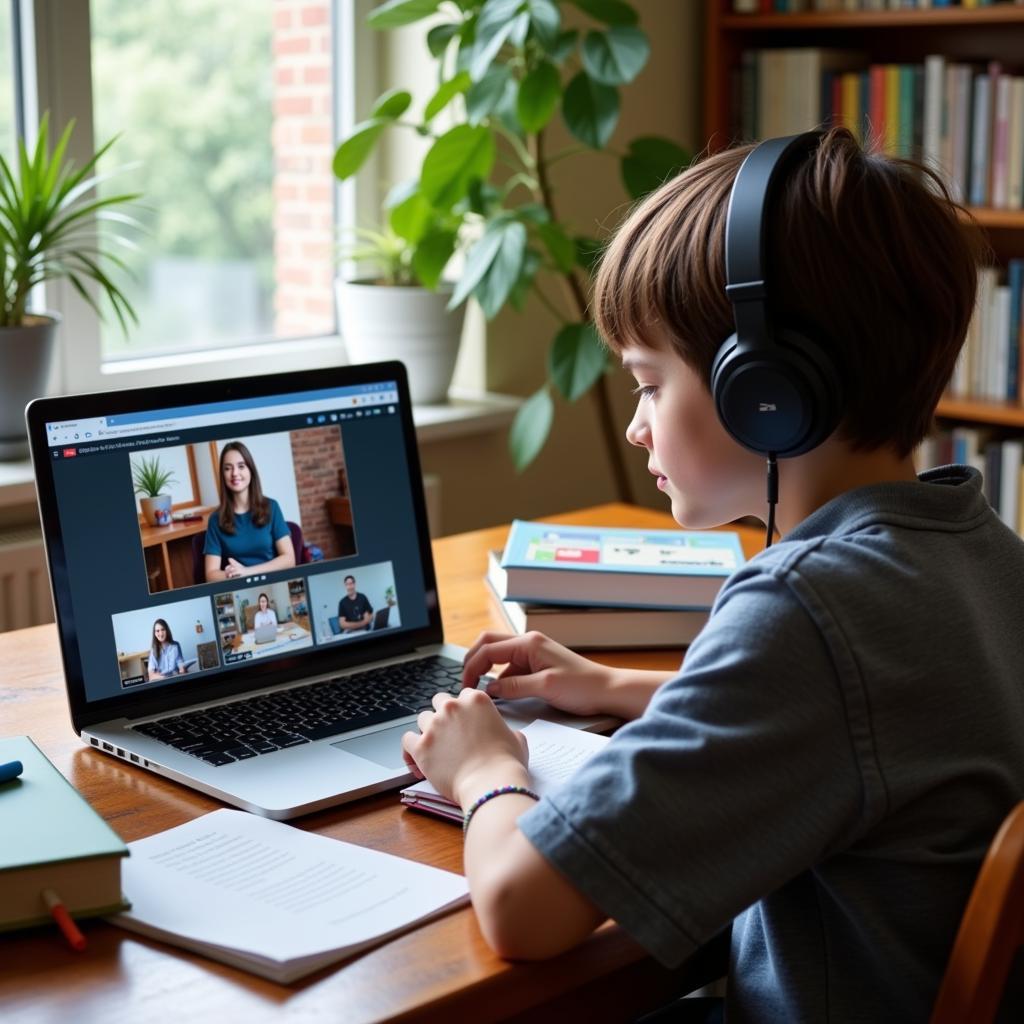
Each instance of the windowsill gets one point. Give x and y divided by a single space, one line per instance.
463 415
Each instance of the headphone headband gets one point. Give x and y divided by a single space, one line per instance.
746 229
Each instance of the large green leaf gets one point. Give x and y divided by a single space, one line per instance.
478 261
411 217
591 110
460 155
393 104
577 359
617 56
484 96
530 428
560 245
352 153
396 13
440 36
649 162
611 12
432 255
521 290
539 93
498 20
500 278
446 93
545 20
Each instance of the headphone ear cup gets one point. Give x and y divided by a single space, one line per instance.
784 399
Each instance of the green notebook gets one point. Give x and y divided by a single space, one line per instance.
50 838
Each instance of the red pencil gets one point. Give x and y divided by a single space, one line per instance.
76 940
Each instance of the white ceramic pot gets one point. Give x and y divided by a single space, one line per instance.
380 322
157 511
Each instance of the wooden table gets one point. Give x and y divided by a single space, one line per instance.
441 972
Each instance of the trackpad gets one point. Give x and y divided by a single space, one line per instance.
384 747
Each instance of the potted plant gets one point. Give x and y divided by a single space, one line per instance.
150 480
48 231
399 310
505 69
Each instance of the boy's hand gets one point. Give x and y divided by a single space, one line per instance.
465 747
536 666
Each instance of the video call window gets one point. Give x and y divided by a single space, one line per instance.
354 602
165 643
201 525
264 620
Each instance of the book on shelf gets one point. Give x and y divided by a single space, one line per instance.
587 628
556 752
275 900
991 365
964 118
602 566
52 839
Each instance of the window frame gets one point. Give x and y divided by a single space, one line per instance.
56 77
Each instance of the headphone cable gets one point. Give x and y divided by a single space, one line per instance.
773 497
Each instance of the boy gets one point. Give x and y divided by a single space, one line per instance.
847 733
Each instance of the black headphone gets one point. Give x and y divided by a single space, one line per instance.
776 390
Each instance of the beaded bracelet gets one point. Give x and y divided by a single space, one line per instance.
490 795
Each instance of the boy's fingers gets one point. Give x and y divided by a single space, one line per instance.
486 656
513 687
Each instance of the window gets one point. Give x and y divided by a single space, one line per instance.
227 116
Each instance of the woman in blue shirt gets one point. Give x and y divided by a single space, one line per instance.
165 655
247 534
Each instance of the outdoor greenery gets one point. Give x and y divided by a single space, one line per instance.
47 227
506 68
189 85
150 479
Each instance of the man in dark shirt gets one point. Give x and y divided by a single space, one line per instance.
354 610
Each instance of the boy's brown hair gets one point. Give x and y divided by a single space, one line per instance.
867 254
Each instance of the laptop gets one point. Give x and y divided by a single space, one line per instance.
278 729
266 633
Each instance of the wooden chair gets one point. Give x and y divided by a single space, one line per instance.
991 932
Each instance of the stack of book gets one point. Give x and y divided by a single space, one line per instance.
591 588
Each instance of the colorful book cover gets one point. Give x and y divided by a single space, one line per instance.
601 565
876 109
891 138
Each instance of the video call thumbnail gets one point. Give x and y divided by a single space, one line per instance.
219 510
353 602
265 620
166 642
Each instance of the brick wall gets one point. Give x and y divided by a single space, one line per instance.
303 217
319 469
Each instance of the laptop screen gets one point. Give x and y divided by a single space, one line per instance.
231 535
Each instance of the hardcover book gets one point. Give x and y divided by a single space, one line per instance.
585 628
52 839
584 565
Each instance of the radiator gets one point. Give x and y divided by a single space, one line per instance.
24 582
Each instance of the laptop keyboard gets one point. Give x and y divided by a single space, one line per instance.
259 725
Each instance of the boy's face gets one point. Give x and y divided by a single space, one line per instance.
709 478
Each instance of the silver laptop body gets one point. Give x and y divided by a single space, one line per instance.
116 575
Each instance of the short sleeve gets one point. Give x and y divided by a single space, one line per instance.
213 544
367 607
278 526
739 776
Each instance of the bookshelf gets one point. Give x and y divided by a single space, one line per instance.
967 35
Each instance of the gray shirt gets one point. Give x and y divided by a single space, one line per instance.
830 765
